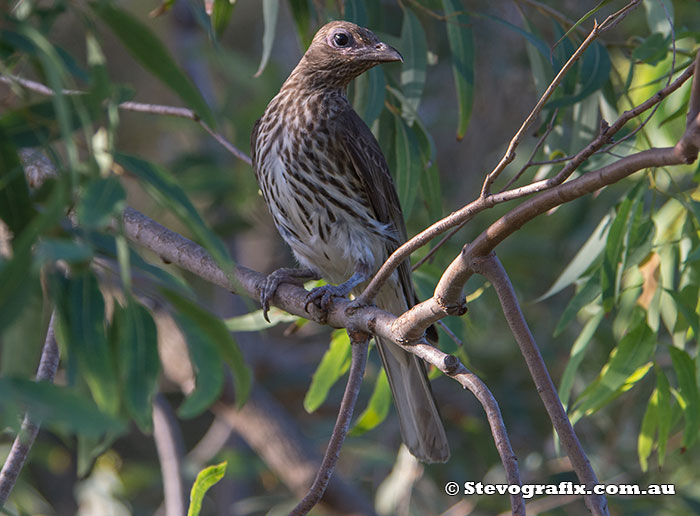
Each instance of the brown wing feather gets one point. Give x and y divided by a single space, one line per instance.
371 166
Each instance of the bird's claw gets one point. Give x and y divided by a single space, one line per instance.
275 279
322 297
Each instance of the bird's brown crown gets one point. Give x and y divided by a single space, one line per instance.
340 51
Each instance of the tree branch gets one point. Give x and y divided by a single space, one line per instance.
480 204
490 267
168 444
359 342
139 107
509 156
48 364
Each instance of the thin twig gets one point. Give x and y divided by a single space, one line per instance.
490 267
539 144
167 437
138 107
515 141
48 364
359 342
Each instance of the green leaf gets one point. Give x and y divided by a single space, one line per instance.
461 40
687 381
611 269
15 278
536 42
205 479
221 14
255 321
302 20
409 165
583 18
163 188
50 250
370 92
584 296
355 11
137 345
56 406
377 407
594 72
664 413
588 253
334 364
102 200
415 53
217 332
645 440
652 50
15 206
578 351
146 48
81 330
36 124
206 362
270 10
659 14
628 363
685 301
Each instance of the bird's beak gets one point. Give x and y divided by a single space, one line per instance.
383 53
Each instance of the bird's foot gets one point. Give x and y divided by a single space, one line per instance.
275 279
323 295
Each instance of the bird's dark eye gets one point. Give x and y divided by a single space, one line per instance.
342 39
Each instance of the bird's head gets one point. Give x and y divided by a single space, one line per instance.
340 51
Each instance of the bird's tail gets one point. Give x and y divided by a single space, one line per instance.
419 419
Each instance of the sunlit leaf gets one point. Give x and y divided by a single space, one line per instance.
645 440
270 10
333 365
205 479
461 40
627 364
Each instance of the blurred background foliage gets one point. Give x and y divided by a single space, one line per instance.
609 282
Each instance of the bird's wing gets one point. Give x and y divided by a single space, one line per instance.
373 172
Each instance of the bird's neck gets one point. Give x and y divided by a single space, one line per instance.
314 79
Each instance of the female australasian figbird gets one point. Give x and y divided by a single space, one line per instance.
329 190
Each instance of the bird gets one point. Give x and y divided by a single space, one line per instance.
328 188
